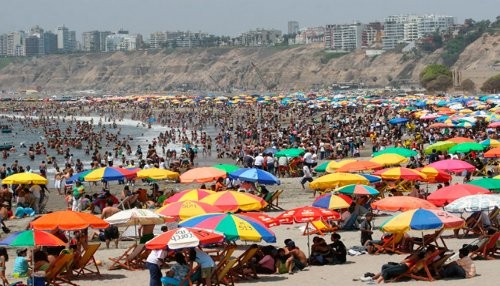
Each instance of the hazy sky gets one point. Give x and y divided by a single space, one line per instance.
227 17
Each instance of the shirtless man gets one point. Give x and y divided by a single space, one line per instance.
110 233
58 180
297 260
146 232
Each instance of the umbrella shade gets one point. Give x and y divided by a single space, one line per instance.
401 203
228 168
449 194
398 120
493 153
359 166
460 140
389 159
440 125
233 226
184 237
77 177
231 201
334 165
189 195
108 174
491 143
186 209
452 166
439 146
135 216
32 238
474 203
307 214
291 152
487 183
401 173
397 150
434 175
371 178
68 220
157 174
421 219
270 150
254 175
466 147
331 201
202 175
25 178
358 190
262 217
322 167
337 180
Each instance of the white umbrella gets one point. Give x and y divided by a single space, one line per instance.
474 203
135 216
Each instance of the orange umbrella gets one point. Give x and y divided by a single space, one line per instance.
401 173
231 201
334 165
359 166
402 203
202 175
460 140
493 153
434 175
189 195
68 220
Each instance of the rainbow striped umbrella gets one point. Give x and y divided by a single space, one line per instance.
334 165
186 209
231 201
31 238
421 219
233 226
108 174
189 195
337 179
331 201
357 189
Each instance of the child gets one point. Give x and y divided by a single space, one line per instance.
21 268
4 257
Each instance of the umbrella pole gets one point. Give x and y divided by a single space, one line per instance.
308 241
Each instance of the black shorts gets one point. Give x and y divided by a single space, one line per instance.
111 232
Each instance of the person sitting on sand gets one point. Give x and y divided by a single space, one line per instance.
41 260
462 268
297 260
320 252
338 249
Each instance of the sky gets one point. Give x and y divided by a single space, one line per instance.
221 17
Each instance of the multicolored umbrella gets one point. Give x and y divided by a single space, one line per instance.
356 189
487 183
233 226
334 165
474 203
322 167
262 217
397 150
421 219
202 175
108 174
32 238
331 201
459 140
231 201
401 173
25 178
491 143
439 146
291 153
434 175
157 174
401 203
360 165
189 195
228 168
389 159
449 194
184 237
334 180
77 177
371 178
452 166
68 220
307 214
466 147
186 209
254 175
493 153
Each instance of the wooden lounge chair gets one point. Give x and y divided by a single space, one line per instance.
390 245
128 259
224 276
242 262
224 256
421 269
86 261
273 201
54 275
319 227
493 216
430 239
474 224
488 249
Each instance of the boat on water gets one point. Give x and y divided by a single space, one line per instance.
6 129
6 147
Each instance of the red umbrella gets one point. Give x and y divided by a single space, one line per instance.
264 218
307 214
449 194
493 153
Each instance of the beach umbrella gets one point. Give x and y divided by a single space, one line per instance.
389 159
464 125
434 175
32 238
334 165
398 120
494 125
460 140
452 166
358 190
399 173
291 153
492 153
157 174
77 177
186 209
449 194
135 216
184 237
491 143
25 178
439 146
270 150
487 183
254 175
307 214
233 226
228 168
474 203
401 203
371 178
331 201
68 220
397 150
361 165
421 220
202 175
440 125
337 180
108 174
262 217
322 167
466 147
189 195
231 201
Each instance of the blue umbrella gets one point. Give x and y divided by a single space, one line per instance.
371 178
77 177
254 175
398 120
270 150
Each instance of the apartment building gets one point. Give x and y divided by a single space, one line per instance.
123 42
344 37
91 41
260 38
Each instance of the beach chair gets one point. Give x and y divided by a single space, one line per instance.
128 259
224 276
55 274
273 201
430 239
488 249
242 262
493 216
86 261
421 269
474 224
319 227
390 245
223 256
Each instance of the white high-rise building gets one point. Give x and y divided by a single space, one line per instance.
62 38
346 37
293 27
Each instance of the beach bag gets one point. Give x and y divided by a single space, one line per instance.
5 229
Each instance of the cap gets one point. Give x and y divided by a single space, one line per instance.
21 251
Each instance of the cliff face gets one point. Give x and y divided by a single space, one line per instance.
211 69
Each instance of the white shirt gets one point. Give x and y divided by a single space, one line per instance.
308 157
307 172
259 160
156 256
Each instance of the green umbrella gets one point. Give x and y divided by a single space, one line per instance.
291 152
228 168
322 168
466 147
487 183
439 146
397 150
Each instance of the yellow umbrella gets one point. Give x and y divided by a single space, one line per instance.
337 180
186 209
25 178
334 165
389 159
231 201
157 174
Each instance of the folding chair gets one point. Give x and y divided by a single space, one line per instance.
390 245
493 216
128 259
488 249
420 270
54 275
429 239
474 224
242 262
87 260
273 201
319 227
223 276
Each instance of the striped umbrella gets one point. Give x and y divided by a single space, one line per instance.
108 174
401 173
421 219
186 209
356 189
491 143
331 201
189 195
231 201
32 238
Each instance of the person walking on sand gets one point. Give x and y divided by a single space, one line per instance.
307 177
111 232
